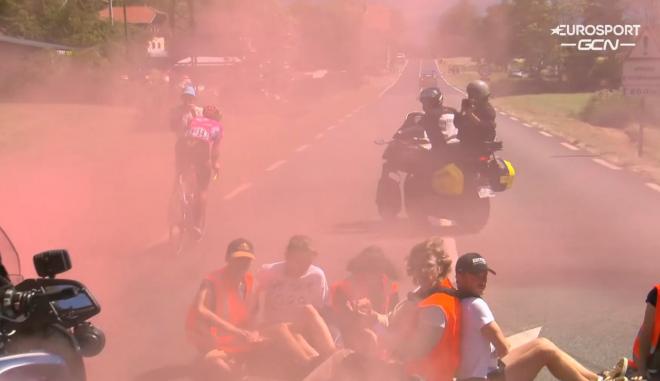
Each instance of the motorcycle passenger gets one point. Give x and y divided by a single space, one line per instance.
476 120
218 322
183 113
360 302
199 148
648 340
426 328
483 342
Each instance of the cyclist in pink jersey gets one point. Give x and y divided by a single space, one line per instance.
199 149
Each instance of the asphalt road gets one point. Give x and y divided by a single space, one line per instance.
574 242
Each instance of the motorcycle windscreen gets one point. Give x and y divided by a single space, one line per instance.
9 258
448 180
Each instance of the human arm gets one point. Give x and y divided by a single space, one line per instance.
429 331
203 300
493 333
645 333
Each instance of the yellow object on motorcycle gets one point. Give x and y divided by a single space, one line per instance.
502 175
448 180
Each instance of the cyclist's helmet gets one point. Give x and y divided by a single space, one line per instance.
212 112
478 90
189 91
431 96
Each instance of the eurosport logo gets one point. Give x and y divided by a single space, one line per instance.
597 37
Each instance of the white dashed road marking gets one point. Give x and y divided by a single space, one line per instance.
503 113
515 119
653 186
570 146
607 164
527 125
546 134
319 136
302 148
237 191
275 165
330 128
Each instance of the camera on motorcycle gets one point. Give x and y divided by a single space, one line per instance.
52 262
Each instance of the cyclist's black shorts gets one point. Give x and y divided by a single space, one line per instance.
197 154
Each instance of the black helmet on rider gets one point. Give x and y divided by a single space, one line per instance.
478 90
431 98
212 112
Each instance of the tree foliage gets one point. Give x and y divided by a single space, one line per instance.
73 22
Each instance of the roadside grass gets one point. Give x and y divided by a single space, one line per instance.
558 113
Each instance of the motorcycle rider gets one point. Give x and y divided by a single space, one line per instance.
476 120
432 99
199 147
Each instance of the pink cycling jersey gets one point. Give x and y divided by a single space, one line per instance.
204 129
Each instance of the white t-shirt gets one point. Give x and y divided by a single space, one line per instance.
478 356
282 293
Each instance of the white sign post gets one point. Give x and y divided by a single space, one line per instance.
641 75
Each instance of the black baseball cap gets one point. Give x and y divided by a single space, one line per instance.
472 263
240 248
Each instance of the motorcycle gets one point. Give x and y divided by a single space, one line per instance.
456 184
44 328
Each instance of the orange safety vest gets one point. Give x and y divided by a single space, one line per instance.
443 361
655 338
355 290
228 304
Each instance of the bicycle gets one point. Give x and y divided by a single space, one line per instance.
182 210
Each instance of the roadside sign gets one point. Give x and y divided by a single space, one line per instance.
641 69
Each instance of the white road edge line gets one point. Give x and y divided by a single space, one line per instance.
503 113
388 88
515 119
546 134
437 66
302 148
319 136
527 125
607 164
350 114
275 165
330 128
238 190
653 186
570 146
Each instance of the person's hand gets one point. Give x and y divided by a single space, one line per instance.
251 337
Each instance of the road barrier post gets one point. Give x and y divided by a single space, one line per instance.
640 143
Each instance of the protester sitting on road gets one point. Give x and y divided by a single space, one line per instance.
648 340
425 328
218 322
360 302
483 341
292 293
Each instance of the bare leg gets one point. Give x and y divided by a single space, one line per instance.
525 362
313 326
284 338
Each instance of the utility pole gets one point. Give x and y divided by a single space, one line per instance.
125 23
112 15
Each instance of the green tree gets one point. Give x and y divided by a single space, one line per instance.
72 22
457 29
531 21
